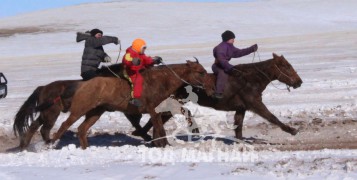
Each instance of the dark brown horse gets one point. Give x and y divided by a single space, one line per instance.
243 92
49 101
98 95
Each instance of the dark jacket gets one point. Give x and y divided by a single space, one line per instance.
224 51
93 52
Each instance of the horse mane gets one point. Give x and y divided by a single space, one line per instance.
113 67
253 65
112 70
164 66
167 67
119 67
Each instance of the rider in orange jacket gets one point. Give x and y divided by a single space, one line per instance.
135 60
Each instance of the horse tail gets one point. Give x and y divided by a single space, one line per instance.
26 113
63 97
47 104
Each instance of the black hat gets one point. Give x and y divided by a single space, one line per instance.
93 32
227 35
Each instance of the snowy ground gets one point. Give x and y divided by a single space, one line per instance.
319 38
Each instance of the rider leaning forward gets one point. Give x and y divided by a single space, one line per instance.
134 61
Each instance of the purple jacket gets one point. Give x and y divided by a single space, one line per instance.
224 51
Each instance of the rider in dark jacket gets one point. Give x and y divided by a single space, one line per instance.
93 52
223 53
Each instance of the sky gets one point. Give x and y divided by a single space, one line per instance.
11 7
15 7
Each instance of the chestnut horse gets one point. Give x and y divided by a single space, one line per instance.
243 92
50 100
100 94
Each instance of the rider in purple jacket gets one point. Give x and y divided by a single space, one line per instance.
223 53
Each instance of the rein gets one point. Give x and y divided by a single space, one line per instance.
116 75
271 82
201 87
119 53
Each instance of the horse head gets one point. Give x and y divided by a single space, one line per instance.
197 75
285 72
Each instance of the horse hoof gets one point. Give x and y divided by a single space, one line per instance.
21 148
294 131
135 133
52 141
161 144
147 137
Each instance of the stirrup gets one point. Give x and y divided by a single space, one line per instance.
135 102
217 95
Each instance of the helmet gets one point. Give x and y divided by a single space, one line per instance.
138 45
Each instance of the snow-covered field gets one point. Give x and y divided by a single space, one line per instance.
318 37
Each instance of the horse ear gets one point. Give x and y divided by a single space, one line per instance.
275 56
198 62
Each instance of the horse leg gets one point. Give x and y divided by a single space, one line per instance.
91 117
49 118
238 122
26 138
135 121
164 116
263 111
159 133
64 126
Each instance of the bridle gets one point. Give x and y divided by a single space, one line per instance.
119 53
271 82
282 73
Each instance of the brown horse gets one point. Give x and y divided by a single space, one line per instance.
98 95
243 92
50 100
